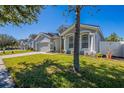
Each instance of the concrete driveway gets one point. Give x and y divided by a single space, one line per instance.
23 54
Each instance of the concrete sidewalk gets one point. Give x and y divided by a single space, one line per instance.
5 79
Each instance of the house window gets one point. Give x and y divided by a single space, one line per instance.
71 42
84 43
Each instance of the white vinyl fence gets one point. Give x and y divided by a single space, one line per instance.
117 48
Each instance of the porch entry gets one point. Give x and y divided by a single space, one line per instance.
86 43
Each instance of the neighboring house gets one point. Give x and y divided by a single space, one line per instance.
27 43
23 44
31 40
47 42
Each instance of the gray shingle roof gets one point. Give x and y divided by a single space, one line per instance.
52 34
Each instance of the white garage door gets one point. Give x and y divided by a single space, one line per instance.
43 47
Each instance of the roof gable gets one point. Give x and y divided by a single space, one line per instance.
48 35
45 39
40 37
83 27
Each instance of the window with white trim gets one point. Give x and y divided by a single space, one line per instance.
71 42
84 41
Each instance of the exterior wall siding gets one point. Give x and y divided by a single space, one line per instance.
97 42
57 44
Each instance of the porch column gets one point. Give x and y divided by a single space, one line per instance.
64 43
92 43
60 44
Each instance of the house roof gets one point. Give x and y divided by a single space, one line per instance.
32 37
49 35
23 40
52 34
85 26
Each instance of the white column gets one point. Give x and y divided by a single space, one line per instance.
60 45
92 41
64 43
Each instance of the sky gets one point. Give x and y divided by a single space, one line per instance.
109 18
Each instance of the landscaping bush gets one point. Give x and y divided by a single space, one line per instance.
99 55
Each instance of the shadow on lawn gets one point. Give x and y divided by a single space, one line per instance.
51 74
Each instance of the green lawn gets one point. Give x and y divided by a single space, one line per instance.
9 52
57 71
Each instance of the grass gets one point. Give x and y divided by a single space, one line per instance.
57 71
9 52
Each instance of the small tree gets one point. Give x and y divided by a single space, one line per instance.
113 37
62 28
77 9
7 41
77 40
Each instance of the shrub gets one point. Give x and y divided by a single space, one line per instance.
99 55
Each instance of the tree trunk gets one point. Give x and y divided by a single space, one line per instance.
77 40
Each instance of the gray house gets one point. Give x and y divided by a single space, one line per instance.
91 42
90 37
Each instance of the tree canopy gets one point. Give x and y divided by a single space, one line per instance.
113 37
62 28
32 36
16 15
6 40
